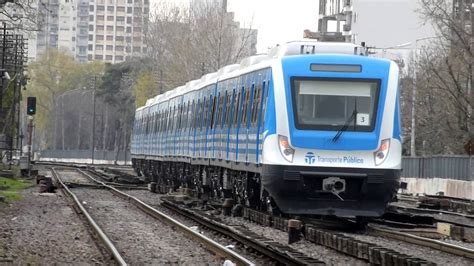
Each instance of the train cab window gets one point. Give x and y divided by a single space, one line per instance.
329 104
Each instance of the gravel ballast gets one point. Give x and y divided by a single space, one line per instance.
44 229
140 238
327 255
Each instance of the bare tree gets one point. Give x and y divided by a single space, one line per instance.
20 14
187 43
445 77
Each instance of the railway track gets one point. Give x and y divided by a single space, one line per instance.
366 251
431 243
276 253
120 245
352 244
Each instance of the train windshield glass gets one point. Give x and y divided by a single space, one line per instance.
329 104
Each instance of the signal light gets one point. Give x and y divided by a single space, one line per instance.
31 105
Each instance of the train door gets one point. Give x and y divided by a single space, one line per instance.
265 91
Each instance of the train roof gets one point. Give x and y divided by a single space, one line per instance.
255 62
314 47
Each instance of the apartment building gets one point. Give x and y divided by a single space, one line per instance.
105 30
117 29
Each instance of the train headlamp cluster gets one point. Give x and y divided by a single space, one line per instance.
381 154
286 150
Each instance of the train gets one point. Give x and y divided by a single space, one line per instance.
309 129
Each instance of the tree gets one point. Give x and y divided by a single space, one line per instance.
144 88
118 87
445 78
20 14
52 74
188 43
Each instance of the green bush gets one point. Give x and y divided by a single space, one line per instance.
9 188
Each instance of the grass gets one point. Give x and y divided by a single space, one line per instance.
9 188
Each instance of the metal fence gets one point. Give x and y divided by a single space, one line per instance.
109 156
449 167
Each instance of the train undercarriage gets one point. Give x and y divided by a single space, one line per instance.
295 190
210 182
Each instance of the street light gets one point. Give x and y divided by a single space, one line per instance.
413 96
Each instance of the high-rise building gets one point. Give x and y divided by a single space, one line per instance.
105 30
117 29
48 23
335 17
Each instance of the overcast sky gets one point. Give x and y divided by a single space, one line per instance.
276 21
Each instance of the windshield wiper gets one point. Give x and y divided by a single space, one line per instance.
345 126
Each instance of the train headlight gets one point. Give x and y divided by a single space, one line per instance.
381 154
285 148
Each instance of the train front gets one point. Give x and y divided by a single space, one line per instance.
336 144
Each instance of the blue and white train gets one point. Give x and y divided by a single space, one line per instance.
311 128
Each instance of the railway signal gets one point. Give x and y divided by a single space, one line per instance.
31 105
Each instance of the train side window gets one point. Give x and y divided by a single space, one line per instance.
236 108
196 115
153 124
172 118
220 110
158 120
166 120
191 115
184 116
213 112
146 125
244 107
225 103
199 115
190 106
204 113
157 116
264 97
163 118
176 118
181 117
255 103
207 112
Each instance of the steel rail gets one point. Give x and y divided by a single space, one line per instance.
425 211
102 236
422 241
211 244
284 258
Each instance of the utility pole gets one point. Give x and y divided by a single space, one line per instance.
470 101
93 119
3 69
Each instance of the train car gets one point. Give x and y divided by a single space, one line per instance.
309 129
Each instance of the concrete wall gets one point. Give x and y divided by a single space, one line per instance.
432 186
